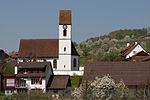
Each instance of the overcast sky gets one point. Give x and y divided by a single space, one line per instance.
90 18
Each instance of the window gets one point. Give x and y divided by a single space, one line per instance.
55 63
65 32
35 81
55 91
64 48
74 62
10 82
134 52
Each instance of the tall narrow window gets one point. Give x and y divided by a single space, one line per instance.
64 48
74 62
65 32
55 63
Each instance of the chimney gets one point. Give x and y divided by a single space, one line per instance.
128 44
135 43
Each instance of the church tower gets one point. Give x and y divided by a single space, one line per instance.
65 31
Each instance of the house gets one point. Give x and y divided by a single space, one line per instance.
36 75
3 55
10 85
61 53
33 75
1 79
131 50
59 85
134 74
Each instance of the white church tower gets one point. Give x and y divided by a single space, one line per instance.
67 60
65 40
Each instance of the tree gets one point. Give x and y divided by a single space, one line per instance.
103 88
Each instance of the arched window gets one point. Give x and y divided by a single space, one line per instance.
55 63
65 32
74 62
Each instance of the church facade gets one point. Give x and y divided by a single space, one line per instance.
61 52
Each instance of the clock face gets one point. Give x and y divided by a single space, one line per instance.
64 26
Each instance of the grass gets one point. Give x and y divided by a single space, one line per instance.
76 80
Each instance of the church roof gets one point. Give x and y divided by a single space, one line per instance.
64 17
73 50
41 48
38 48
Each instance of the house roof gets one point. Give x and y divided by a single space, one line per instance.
131 73
65 17
38 48
33 64
60 82
3 54
128 49
28 65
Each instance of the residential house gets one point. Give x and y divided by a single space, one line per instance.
134 74
131 50
3 55
33 75
1 82
10 85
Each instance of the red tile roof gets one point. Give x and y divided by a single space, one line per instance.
38 48
65 17
128 49
132 73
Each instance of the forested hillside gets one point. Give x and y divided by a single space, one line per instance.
107 47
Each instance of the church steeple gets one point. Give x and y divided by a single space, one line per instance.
65 28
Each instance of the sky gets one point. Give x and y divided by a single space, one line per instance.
35 19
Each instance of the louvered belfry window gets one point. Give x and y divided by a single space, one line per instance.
65 32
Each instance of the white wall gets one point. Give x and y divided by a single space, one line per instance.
71 73
64 43
137 49
64 60
77 63
34 86
69 28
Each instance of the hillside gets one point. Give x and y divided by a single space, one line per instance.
107 47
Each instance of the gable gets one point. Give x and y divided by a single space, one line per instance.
136 50
38 48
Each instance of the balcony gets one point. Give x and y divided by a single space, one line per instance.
21 86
